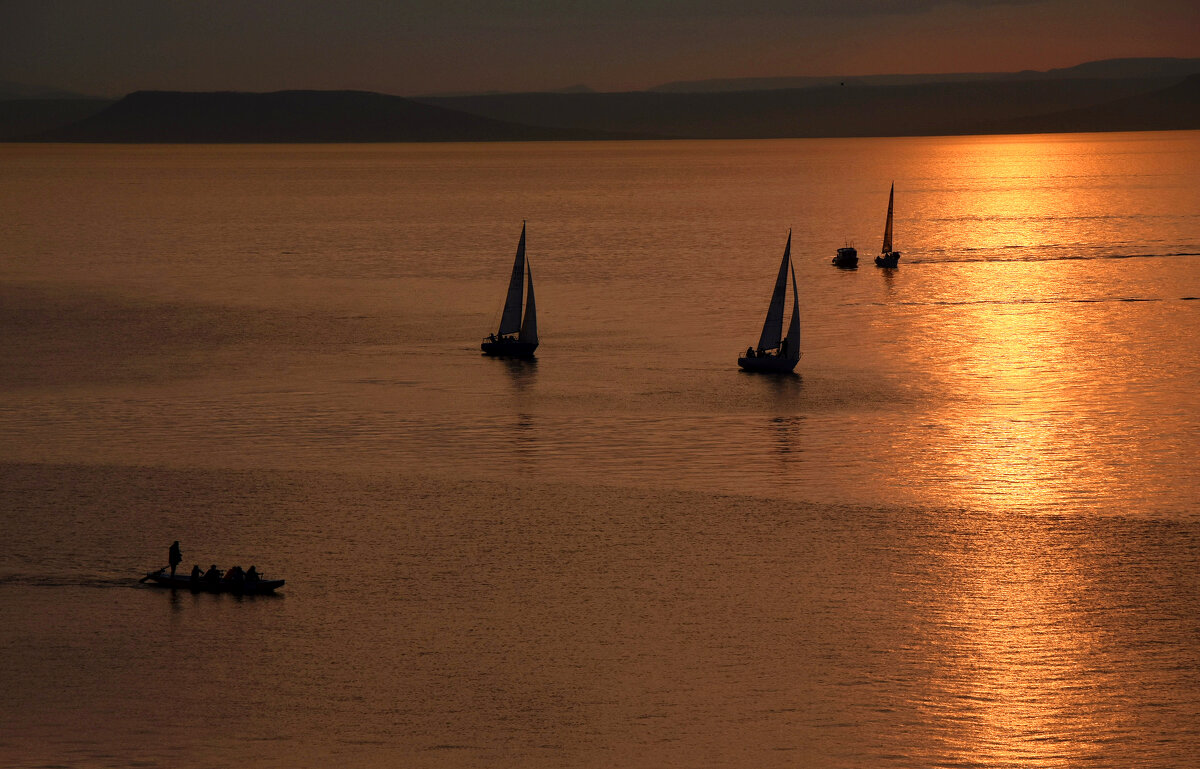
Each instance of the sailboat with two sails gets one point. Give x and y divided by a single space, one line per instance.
776 353
517 336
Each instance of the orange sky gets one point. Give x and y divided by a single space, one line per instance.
424 46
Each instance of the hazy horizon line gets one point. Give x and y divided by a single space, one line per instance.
55 92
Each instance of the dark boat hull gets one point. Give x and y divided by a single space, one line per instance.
509 349
890 259
768 364
182 582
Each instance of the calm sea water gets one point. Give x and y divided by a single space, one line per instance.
965 534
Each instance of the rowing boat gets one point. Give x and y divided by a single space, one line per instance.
224 585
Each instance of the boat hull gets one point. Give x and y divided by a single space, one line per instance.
183 582
509 349
890 259
768 364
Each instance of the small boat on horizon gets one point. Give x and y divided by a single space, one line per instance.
775 354
517 336
887 257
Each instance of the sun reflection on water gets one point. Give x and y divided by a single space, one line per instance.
1040 389
1011 447
1019 675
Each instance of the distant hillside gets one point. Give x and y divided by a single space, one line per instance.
997 106
24 117
1108 69
292 116
1173 108
912 110
733 84
1122 68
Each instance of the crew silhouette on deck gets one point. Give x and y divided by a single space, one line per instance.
174 557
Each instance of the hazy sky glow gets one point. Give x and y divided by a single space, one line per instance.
423 46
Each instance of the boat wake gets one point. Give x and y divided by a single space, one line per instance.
68 580
1050 300
1001 255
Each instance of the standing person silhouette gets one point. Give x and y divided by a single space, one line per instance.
174 556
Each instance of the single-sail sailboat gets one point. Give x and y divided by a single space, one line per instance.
517 336
888 257
774 354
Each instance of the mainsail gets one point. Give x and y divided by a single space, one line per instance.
887 230
510 321
773 326
529 326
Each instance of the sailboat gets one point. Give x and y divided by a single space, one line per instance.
888 257
774 354
517 336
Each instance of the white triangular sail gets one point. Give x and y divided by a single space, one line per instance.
529 326
793 334
773 326
510 321
887 230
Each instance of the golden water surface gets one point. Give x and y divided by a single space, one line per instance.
964 534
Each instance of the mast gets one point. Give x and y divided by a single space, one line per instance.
887 230
510 321
529 326
773 325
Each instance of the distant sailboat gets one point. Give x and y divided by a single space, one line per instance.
888 257
774 354
517 337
